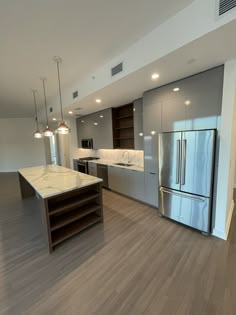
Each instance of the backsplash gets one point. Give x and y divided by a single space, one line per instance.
135 156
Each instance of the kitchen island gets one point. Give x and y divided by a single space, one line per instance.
71 201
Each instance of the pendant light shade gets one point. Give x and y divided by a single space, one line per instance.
47 132
37 134
62 127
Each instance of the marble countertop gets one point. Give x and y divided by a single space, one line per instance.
51 180
113 163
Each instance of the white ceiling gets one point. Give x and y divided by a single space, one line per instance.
86 33
207 52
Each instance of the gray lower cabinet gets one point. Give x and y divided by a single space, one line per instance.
92 169
127 182
136 184
151 189
97 126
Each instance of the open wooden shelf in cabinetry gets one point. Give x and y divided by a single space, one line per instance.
72 212
123 127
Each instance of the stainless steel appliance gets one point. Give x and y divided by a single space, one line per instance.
102 172
186 167
87 143
81 165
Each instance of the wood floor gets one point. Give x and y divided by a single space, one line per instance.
136 263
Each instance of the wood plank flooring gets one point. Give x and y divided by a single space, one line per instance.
136 263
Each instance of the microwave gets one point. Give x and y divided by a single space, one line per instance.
87 143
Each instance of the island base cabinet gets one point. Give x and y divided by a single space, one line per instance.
151 189
70 213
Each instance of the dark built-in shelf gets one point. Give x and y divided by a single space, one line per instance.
123 130
123 138
73 202
130 127
123 117
62 234
71 216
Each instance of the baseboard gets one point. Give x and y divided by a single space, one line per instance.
229 219
8 171
224 234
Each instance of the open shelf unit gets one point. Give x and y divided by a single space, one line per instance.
72 212
123 127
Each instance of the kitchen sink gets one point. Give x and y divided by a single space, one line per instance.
124 164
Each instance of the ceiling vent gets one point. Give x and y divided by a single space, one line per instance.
226 5
117 69
75 94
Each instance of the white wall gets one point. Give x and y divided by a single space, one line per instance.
227 154
18 148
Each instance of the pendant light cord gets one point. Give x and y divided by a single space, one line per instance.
35 106
45 101
59 84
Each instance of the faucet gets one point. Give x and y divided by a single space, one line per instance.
128 156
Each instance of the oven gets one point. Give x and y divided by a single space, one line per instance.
82 166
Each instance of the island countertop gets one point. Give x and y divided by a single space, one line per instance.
51 180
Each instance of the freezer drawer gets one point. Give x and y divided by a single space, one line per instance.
191 210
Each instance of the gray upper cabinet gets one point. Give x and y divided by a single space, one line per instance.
196 105
97 126
138 124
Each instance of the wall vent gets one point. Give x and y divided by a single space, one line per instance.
226 5
75 94
117 69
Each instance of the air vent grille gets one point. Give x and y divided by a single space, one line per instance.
75 94
226 5
117 69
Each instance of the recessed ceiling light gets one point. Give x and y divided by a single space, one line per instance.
95 123
187 103
98 100
140 134
101 116
70 112
54 118
155 76
153 132
82 121
176 89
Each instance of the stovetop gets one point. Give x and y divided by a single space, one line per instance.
88 158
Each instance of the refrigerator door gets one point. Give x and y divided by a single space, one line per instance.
191 210
169 203
170 160
198 149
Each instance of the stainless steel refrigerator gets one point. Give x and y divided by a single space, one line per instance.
186 168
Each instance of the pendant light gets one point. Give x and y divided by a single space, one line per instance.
62 127
47 132
37 133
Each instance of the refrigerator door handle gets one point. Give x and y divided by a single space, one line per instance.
182 195
177 162
183 166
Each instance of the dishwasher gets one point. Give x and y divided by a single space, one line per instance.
102 172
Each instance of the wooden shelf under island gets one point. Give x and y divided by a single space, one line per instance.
71 201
